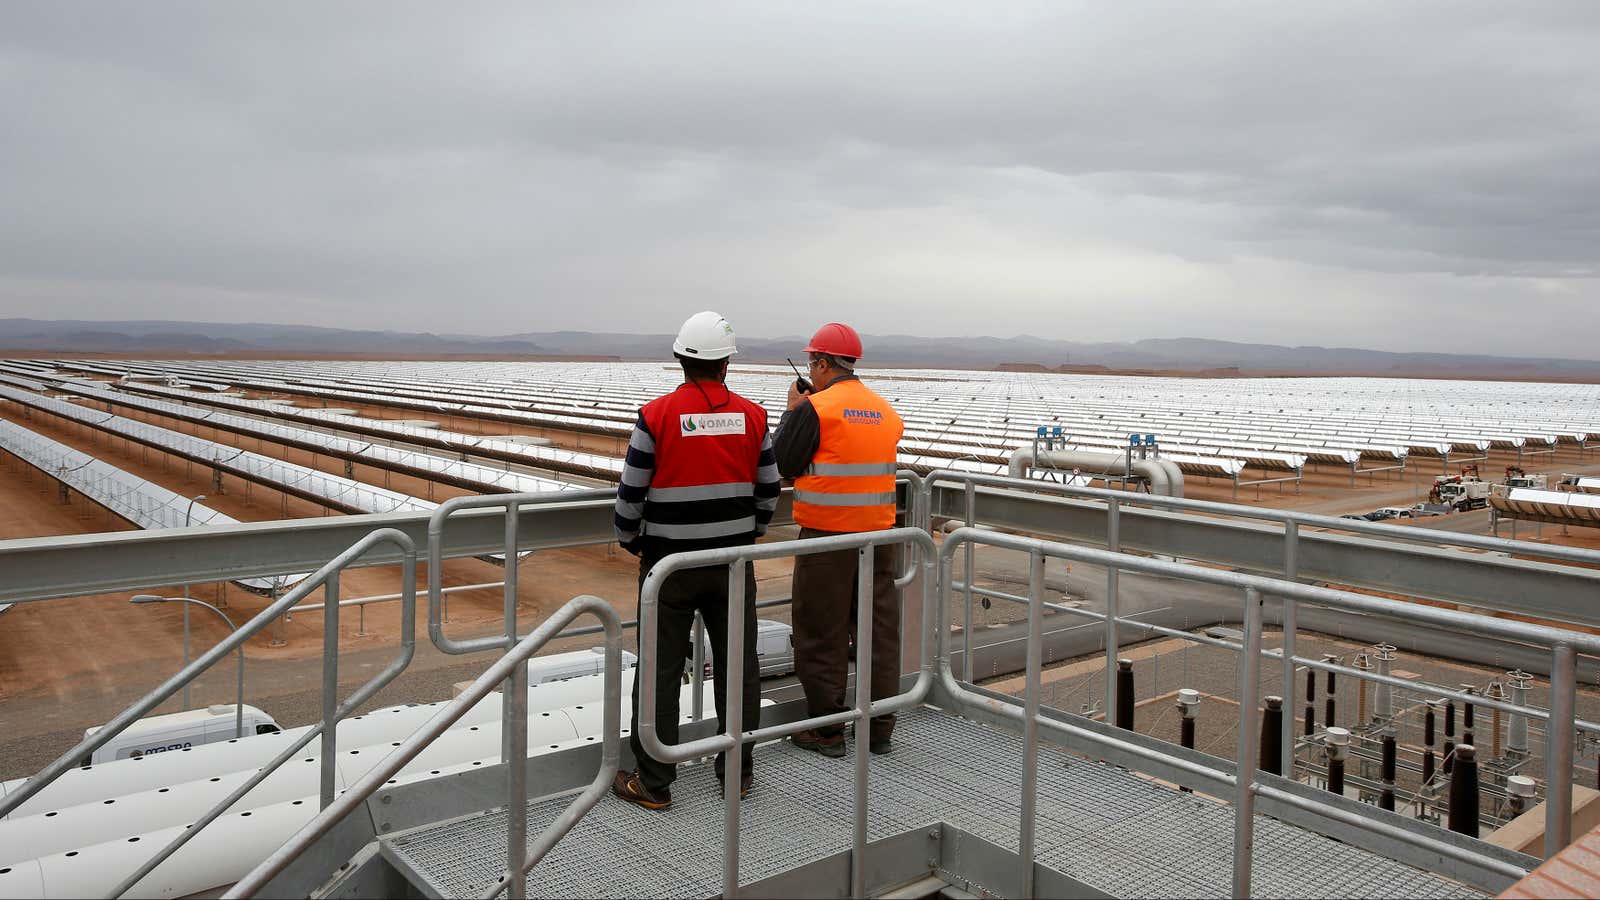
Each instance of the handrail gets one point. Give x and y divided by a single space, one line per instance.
1358 526
328 573
1563 645
1291 521
519 858
736 734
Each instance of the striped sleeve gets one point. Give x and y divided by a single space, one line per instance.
768 485
634 487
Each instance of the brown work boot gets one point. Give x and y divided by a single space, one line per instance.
829 745
629 787
745 780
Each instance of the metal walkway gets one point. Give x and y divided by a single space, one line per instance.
1111 830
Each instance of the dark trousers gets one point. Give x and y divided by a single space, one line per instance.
684 593
825 627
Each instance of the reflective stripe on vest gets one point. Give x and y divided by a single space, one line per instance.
844 499
850 484
702 492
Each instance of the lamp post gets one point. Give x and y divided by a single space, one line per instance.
238 707
187 512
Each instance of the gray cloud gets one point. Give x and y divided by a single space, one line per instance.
1377 174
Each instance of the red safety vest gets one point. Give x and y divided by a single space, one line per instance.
849 485
703 488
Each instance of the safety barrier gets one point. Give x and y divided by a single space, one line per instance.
1563 646
1291 522
864 707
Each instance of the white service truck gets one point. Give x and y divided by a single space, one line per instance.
180 731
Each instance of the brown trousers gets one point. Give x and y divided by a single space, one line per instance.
825 627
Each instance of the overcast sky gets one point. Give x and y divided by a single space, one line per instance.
1392 175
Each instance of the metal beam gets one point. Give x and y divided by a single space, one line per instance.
1493 582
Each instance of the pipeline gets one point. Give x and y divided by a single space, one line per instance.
1158 473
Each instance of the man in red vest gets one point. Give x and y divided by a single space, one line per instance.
839 443
699 474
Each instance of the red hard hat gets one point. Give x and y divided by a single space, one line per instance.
837 339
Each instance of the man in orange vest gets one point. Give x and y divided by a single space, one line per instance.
838 441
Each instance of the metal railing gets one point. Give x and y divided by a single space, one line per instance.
332 709
1563 646
1291 522
520 858
735 735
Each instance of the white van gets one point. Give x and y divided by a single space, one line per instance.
179 731
774 648
563 666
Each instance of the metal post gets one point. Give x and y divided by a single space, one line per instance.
1517 736
330 688
1329 701
1114 544
1386 798
514 724
733 765
1030 728
1244 802
188 512
1463 813
1558 750
864 610
1125 694
1338 742
697 656
1271 734
1188 705
1449 758
966 626
1428 720
1385 692
186 645
1291 572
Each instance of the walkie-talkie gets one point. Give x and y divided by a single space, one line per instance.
801 383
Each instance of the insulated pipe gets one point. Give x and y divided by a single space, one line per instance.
1153 471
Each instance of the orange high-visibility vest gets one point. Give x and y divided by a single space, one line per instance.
849 485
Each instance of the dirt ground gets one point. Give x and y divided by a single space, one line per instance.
69 663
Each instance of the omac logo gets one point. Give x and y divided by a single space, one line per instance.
863 416
711 424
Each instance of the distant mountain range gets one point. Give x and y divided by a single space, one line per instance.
1166 356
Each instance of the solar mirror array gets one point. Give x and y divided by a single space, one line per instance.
973 420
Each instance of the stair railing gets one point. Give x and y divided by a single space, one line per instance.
520 858
333 710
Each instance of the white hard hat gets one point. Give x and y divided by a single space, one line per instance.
705 335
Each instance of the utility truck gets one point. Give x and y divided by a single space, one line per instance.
1460 492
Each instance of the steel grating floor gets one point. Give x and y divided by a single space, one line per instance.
1097 823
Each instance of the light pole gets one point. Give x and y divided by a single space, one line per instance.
238 707
188 511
